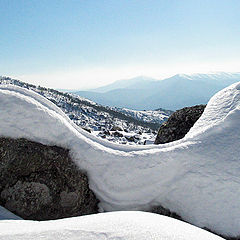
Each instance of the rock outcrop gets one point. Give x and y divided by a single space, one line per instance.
42 182
179 124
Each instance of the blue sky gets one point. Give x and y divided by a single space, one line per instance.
87 43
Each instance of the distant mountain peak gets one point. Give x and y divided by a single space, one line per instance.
124 83
210 75
178 91
142 77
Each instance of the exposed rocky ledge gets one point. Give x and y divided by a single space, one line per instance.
179 123
42 182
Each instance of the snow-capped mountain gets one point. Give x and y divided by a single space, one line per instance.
181 90
117 125
137 82
220 77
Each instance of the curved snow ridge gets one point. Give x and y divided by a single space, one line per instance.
219 107
51 106
117 226
196 177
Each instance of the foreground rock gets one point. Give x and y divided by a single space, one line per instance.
179 124
41 182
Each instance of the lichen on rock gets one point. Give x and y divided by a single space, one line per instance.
26 198
179 123
42 182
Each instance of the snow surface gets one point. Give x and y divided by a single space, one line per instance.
219 76
100 120
111 226
197 177
156 116
7 215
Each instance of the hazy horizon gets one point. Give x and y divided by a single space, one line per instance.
144 77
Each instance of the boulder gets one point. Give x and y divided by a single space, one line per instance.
130 138
179 124
42 182
117 134
107 132
116 128
87 129
166 212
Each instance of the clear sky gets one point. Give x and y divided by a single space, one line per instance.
88 43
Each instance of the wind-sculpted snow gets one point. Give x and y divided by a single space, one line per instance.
197 177
105 226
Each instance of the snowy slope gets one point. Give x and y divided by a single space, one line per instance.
111 226
196 177
100 120
155 116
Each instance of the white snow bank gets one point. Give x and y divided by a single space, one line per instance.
51 106
115 226
196 177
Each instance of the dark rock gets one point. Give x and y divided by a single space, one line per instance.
130 138
166 212
116 128
179 124
102 134
26 198
106 132
87 129
117 134
42 182
137 137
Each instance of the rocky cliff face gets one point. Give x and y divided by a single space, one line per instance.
41 182
179 124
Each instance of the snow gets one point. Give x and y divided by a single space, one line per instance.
156 116
219 76
6 215
196 177
99 120
111 226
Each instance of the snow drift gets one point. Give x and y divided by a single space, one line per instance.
111 226
197 177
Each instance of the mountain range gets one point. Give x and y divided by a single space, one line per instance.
178 91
